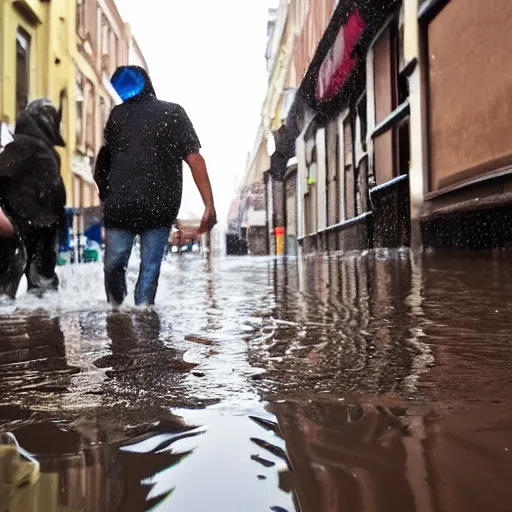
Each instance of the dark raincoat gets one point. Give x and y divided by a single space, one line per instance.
33 196
139 168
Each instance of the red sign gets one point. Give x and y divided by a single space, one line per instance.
339 63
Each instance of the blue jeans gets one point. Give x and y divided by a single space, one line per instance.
119 244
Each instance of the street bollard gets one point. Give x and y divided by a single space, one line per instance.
280 234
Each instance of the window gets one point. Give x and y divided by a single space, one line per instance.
22 70
339 176
114 57
106 37
350 183
311 160
312 167
80 18
106 56
95 196
79 109
403 149
333 166
87 195
99 35
363 122
80 121
104 108
90 119
310 198
64 116
470 136
77 191
362 188
391 143
291 204
362 181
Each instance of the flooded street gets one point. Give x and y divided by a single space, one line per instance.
377 381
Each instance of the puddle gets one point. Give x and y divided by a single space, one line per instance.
370 381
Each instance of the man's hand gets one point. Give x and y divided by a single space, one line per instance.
208 221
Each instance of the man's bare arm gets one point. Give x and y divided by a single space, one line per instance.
200 174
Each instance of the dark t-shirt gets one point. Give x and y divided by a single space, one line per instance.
140 168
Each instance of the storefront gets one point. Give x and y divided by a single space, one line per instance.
468 83
358 136
469 92
290 204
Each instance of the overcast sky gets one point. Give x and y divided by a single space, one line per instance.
208 56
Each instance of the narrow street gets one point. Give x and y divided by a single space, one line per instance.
372 381
329 183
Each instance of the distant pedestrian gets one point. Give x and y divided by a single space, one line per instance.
32 200
139 177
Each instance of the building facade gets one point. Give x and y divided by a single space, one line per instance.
103 44
295 28
460 98
306 23
36 60
353 148
135 55
247 219
66 50
388 140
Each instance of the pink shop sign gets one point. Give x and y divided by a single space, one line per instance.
339 62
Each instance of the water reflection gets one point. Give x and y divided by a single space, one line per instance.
77 473
319 455
374 457
142 370
351 328
345 457
32 357
386 375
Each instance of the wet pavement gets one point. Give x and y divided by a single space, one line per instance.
376 381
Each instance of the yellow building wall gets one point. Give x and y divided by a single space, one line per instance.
62 77
52 47
11 20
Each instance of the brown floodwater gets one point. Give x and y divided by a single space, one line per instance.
375 381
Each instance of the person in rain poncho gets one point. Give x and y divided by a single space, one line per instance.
32 200
139 176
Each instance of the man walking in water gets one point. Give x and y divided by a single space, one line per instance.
139 176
